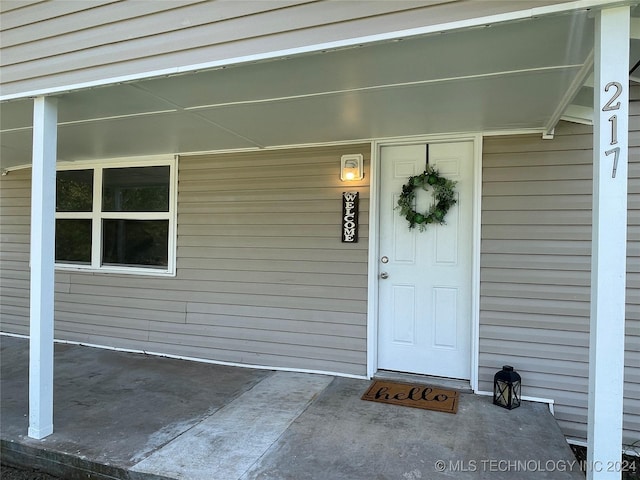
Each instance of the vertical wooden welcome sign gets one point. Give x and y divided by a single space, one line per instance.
350 202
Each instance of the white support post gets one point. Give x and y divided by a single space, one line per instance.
43 200
609 241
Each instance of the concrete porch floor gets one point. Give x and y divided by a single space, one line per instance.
133 416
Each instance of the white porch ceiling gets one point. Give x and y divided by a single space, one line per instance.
517 75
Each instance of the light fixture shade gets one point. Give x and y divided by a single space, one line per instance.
506 388
351 167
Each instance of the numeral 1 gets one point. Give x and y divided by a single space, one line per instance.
614 129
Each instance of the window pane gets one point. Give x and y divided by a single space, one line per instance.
135 189
74 190
135 242
73 241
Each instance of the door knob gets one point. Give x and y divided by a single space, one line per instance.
384 275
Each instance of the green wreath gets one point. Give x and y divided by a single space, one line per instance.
443 198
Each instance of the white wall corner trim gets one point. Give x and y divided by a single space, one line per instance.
372 283
475 269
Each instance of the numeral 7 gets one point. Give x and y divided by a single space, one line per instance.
616 152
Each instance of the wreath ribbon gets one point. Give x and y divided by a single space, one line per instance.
444 197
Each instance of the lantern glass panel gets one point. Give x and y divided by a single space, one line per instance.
502 393
515 395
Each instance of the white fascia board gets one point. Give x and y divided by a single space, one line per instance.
347 43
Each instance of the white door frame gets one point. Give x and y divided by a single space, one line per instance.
374 245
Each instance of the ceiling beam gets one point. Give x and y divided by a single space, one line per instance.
570 94
578 114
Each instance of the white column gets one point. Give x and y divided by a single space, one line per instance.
608 262
43 200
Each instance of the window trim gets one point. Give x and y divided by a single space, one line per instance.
96 216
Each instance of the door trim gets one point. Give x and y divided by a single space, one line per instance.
374 245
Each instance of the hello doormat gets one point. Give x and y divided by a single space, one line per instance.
412 395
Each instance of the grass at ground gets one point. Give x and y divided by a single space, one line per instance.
629 465
10 473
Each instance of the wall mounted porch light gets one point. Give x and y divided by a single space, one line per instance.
351 167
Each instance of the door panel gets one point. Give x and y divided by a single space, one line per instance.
404 328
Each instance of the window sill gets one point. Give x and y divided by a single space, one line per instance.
147 272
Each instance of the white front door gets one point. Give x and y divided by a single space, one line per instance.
425 277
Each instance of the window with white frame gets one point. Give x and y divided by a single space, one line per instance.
116 217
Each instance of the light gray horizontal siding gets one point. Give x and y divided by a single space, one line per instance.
14 4
52 44
632 343
15 204
535 269
262 275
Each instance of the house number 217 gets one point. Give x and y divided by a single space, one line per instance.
610 106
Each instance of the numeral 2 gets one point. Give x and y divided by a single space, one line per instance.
609 105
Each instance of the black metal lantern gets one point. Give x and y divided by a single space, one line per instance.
506 388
